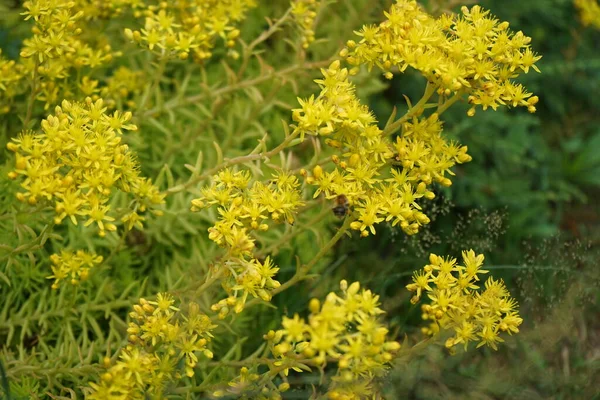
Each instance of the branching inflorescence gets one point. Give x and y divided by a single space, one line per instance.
79 166
160 337
457 304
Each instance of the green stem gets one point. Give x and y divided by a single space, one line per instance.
260 39
208 282
233 161
178 102
303 271
294 232
158 73
413 111
445 105
31 99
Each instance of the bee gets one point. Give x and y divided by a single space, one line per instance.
341 207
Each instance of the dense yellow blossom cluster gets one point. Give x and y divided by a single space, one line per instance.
381 179
305 12
459 306
178 29
245 208
472 53
57 61
57 48
78 161
72 266
344 329
161 338
589 12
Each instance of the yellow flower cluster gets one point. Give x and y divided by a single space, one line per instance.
457 304
381 180
96 9
245 208
11 78
305 12
72 265
589 12
161 338
57 47
122 88
344 329
472 53
78 161
181 28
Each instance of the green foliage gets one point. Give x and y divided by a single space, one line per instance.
528 200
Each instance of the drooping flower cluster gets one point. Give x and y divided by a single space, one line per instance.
305 12
472 53
382 180
459 306
245 208
344 329
589 12
161 338
178 29
78 161
72 266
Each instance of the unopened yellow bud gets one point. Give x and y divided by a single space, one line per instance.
354 288
355 225
317 172
284 387
344 285
354 160
314 305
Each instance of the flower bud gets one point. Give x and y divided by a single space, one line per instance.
317 172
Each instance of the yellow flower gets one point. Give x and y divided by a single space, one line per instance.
589 12
78 162
343 329
457 305
161 337
72 266
189 27
244 207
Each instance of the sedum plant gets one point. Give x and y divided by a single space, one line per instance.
204 200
